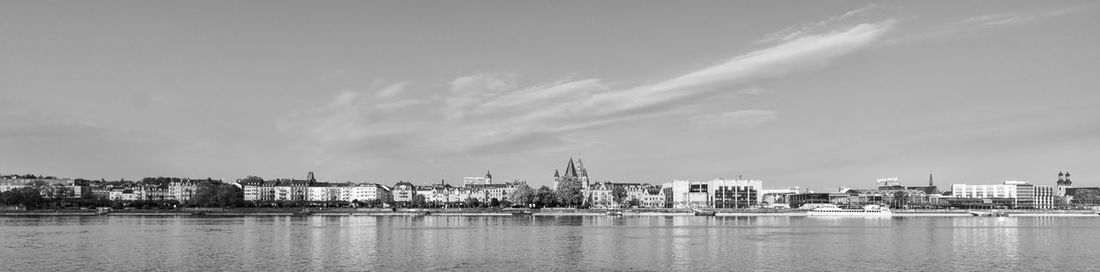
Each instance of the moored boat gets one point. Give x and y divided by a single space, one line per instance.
993 213
701 212
869 210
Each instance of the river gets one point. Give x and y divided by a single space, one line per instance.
547 243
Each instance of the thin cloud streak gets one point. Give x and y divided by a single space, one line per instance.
743 119
980 22
486 110
792 32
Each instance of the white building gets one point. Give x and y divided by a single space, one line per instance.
717 193
1020 194
779 197
366 192
487 179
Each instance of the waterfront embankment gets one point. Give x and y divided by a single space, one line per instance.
515 212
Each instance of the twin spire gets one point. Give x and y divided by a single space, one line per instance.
573 170
1063 179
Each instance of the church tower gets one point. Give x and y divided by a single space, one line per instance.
582 174
1063 183
575 175
557 179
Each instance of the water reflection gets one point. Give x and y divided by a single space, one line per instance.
386 243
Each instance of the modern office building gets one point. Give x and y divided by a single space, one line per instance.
717 193
1011 193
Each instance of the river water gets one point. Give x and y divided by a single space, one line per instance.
548 243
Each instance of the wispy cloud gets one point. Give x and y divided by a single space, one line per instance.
392 89
493 111
981 22
793 32
743 119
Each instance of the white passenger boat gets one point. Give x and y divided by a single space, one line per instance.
869 210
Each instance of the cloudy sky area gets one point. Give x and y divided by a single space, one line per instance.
816 94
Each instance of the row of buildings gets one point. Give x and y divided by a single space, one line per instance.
177 189
1009 194
716 193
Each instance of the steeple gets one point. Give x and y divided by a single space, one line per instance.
570 170
581 171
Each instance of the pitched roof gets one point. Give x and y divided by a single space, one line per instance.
570 170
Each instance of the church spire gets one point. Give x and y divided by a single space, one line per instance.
581 171
570 170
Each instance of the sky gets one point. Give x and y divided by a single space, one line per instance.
816 94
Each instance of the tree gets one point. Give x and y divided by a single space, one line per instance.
618 193
570 196
472 202
546 197
26 196
419 201
901 198
1085 196
217 194
524 195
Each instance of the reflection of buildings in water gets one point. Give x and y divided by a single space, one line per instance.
362 236
681 241
318 240
988 239
769 243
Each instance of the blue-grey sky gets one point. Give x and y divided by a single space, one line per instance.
816 94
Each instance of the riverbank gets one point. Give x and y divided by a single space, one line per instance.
213 212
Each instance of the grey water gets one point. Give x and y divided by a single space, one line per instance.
548 243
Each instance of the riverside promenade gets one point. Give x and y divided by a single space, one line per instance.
510 212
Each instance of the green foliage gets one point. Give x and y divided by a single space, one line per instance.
160 181
472 202
419 201
26 196
216 194
524 195
570 196
1086 197
546 197
618 194
900 199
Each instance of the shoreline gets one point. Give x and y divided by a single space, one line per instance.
518 213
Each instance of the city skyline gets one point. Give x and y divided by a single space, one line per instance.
835 95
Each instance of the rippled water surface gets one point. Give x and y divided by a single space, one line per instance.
566 243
